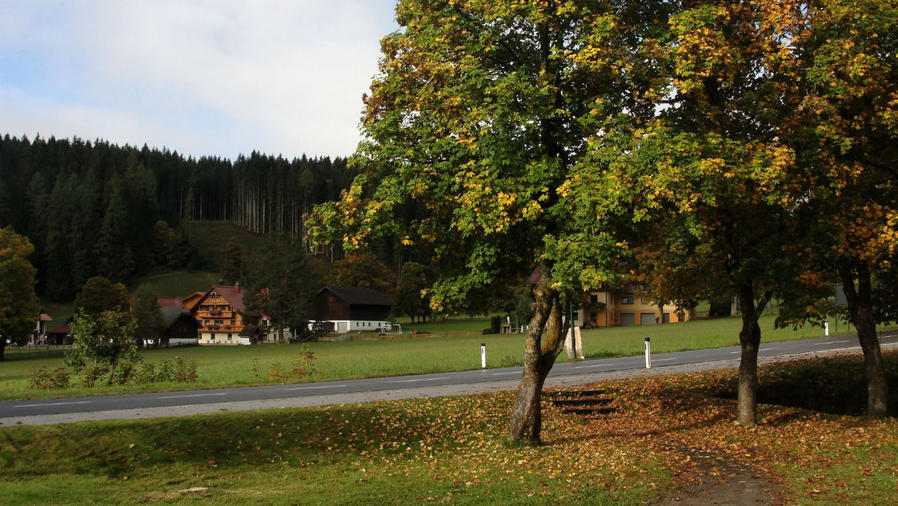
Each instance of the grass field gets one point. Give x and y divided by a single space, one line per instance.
452 450
453 346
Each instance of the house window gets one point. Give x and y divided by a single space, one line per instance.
626 299
593 316
212 337
218 322
576 315
229 336
593 298
232 322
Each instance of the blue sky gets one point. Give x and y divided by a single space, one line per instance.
202 77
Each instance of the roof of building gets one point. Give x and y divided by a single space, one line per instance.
44 317
356 295
232 294
191 300
62 329
170 314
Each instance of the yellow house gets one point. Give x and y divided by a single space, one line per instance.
624 307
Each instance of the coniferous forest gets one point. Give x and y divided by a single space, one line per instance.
94 208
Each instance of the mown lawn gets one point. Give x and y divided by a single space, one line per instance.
453 346
452 450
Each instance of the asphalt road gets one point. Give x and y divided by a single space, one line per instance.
195 401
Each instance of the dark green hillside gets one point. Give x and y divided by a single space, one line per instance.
210 240
95 208
175 284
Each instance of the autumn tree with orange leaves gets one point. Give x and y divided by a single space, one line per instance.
844 130
479 114
561 138
704 169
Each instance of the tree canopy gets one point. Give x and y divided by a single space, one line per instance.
19 306
478 116
567 139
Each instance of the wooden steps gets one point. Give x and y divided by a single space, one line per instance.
582 402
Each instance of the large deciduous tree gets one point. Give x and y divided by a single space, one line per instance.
479 113
845 132
99 294
282 285
363 270
19 306
706 159
148 319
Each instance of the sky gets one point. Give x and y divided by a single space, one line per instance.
200 77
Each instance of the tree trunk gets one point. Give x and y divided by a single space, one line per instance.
2 348
526 415
860 313
750 342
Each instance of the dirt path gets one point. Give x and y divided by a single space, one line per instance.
714 478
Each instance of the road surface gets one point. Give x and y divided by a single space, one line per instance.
180 403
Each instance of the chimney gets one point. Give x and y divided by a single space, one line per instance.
237 287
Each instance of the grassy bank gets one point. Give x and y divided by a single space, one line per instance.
453 346
451 449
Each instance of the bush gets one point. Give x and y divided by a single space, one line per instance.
46 379
304 366
186 371
91 374
181 371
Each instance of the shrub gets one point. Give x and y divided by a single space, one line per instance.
50 380
181 371
186 371
304 365
91 374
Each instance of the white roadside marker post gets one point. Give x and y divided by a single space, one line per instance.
483 355
648 353
826 329
578 343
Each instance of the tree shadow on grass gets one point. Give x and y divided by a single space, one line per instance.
834 385
249 439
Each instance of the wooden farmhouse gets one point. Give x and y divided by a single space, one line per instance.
220 315
343 309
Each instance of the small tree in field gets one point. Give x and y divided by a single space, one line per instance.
18 304
102 341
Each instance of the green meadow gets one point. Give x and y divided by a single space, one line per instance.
664 436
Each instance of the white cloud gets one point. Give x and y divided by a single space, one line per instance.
229 77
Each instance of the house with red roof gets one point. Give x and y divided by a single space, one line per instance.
221 316
39 335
